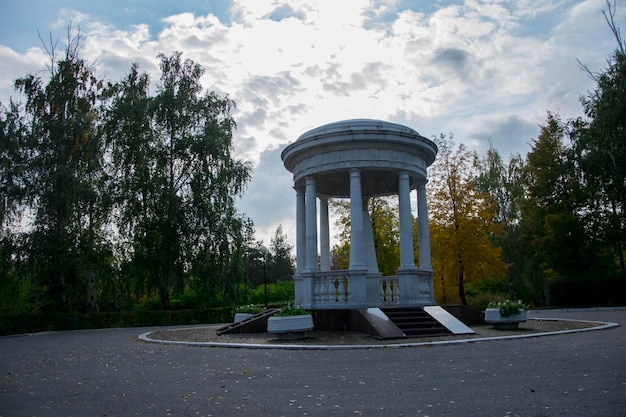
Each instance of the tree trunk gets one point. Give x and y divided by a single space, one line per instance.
619 251
65 305
462 286
164 295
93 297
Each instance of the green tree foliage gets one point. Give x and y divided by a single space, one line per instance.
257 256
340 252
13 164
501 181
115 193
385 225
462 224
54 141
552 233
277 261
385 220
600 146
281 265
177 183
14 288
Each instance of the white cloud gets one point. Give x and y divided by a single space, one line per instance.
479 69
270 197
14 65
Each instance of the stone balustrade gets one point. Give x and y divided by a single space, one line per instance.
389 290
344 289
331 287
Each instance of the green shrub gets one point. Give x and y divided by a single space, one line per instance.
481 301
249 309
150 304
508 307
279 293
38 322
291 310
487 286
18 294
588 291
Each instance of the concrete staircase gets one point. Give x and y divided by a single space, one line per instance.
414 321
255 324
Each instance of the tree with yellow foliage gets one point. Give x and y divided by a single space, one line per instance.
461 224
385 225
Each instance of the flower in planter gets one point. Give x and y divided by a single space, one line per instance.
249 309
506 315
508 307
245 312
291 310
291 322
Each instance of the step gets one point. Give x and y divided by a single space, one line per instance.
415 322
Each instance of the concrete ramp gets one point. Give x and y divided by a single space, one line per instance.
454 325
255 324
383 327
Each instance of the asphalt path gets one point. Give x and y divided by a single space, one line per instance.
112 373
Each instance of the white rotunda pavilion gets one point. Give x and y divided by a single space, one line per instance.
359 159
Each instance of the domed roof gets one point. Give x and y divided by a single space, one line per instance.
379 149
355 127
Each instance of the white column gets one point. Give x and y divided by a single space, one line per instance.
311 226
423 232
300 232
371 262
324 235
356 221
406 227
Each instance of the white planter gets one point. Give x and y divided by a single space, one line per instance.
493 316
242 316
290 327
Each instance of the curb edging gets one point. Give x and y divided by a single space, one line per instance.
145 337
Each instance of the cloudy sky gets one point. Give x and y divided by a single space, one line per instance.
483 70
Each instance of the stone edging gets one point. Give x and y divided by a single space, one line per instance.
145 337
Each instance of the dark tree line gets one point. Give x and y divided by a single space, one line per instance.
116 192
563 206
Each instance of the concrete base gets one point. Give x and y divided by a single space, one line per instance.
370 321
468 315
291 336
375 322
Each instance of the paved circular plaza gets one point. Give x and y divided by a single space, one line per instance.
111 372
203 335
